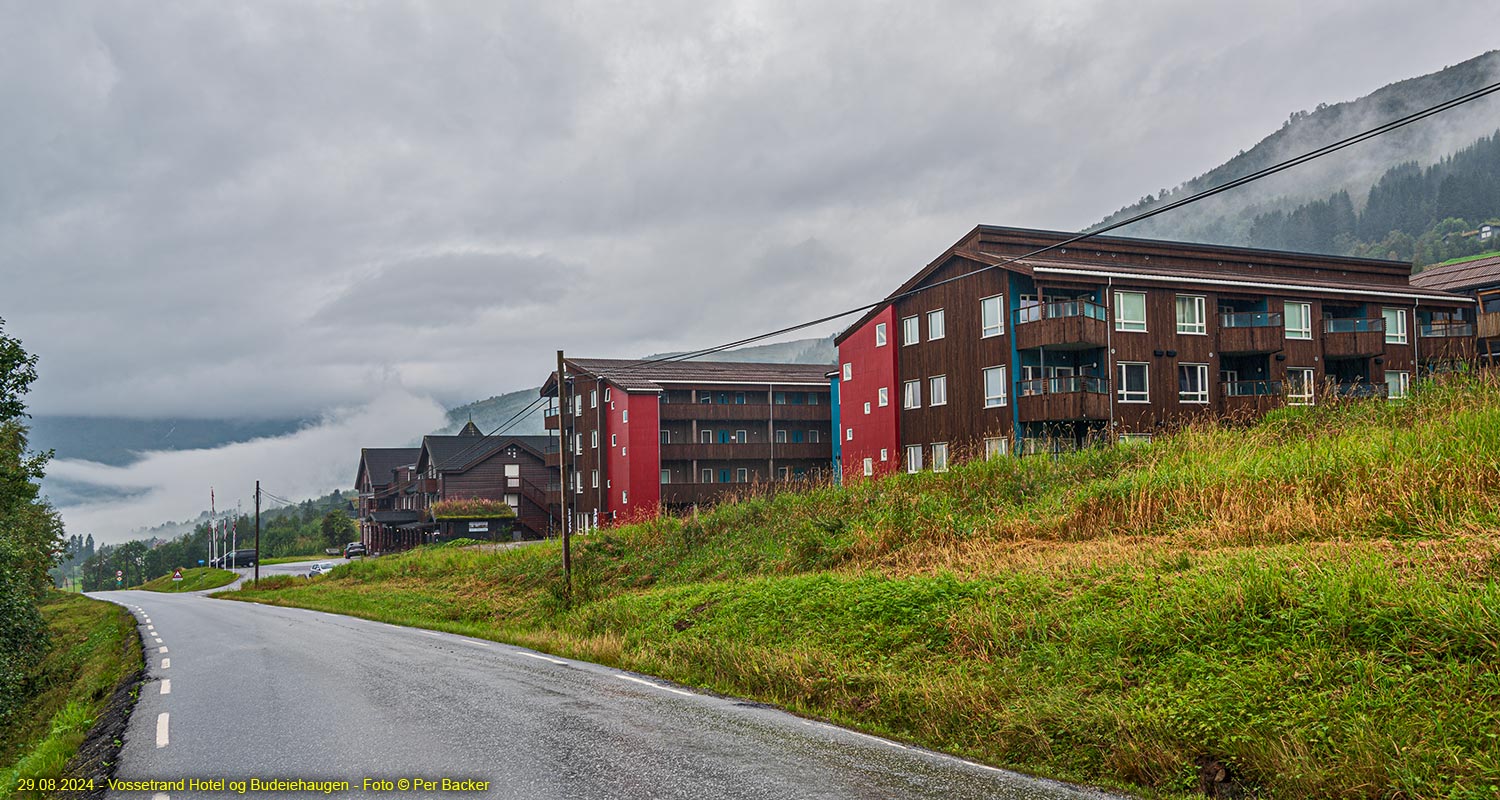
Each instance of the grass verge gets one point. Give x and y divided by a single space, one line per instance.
194 579
1309 607
311 557
95 656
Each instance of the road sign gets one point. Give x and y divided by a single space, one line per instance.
119 573
177 574
200 562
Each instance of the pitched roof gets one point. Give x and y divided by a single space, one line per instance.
458 453
1476 273
635 375
381 460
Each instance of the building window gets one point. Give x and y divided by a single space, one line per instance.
994 387
849 435
937 394
666 437
869 466
1299 385
883 396
914 458
1135 382
992 316
1397 384
1192 383
812 436
1130 311
625 415
742 475
606 394
911 394
996 446
614 440
784 473
594 439
1298 318
867 408
624 451
885 455
1191 317
593 398
911 333
624 497
706 476
1395 325
578 444
706 436
740 437
666 476
781 435
594 478
939 456
577 405
936 329
880 334
778 398
848 371
739 398
812 398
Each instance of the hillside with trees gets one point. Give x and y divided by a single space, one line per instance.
1419 194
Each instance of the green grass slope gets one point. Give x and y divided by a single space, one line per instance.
1311 603
194 579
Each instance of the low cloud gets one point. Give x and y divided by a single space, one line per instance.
175 485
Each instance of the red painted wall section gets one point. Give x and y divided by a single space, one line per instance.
870 367
635 458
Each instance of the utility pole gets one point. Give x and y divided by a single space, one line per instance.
257 533
562 465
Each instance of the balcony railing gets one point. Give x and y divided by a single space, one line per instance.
1252 388
1063 384
1447 330
1354 325
1250 319
1361 389
1058 310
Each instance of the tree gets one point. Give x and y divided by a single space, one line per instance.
30 532
337 528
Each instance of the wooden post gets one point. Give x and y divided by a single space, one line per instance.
562 465
257 533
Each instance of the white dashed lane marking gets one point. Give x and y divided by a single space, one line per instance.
161 730
654 685
161 649
166 686
166 663
541 658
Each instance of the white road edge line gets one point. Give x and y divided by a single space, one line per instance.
886 742
150 627
161 730
653 685
161 797
166 686
471 641
431 633
161 649
166 663
543 658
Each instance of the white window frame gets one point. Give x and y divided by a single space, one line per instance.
593 479
848 434
880 337
885 454
742 475
883 396
911 394
913 458
937 390
624 416
614 440
593 398
1399 335
995 446
848 371
994 400
939 456
705 476
1402 387
779 437
1199 398
1121 393
911 331
606 394
1309 395
1302 333
869 467
666 476
594 439
1129 325
937 324
1200 306
666 436
987 330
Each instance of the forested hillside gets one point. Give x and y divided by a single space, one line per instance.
1418 194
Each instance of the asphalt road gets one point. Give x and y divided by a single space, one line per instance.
241 691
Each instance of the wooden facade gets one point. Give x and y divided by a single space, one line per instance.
1117 337
641 436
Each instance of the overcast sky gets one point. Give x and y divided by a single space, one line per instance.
292 209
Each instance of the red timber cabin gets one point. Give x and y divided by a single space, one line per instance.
641 436
1114 338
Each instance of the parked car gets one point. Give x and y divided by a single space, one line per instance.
353 549
320 568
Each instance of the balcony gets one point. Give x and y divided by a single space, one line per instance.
1069 325
1063 398
791 451
1488 326
552 458
745 411
1446 341
1361 390
1353 337
1251 333
551 420
733 451
1245 399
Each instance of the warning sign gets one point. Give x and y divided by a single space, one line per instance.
177 574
